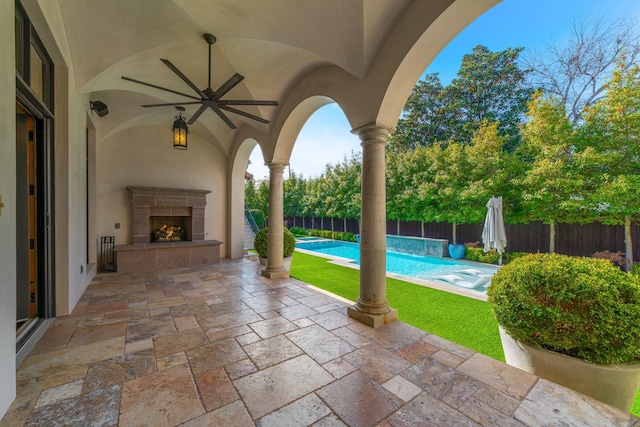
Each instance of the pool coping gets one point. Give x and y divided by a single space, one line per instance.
441 286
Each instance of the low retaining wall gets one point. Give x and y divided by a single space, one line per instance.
418 246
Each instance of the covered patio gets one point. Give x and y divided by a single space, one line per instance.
222 345
88 95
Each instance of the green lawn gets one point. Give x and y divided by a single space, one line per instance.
465 321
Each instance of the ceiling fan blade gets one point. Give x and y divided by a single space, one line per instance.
171 104
247 102
223 116
227 86
159 87
243 113
183 77
197 114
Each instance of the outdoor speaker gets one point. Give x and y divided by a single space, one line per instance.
100 108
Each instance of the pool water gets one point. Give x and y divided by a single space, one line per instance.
421 267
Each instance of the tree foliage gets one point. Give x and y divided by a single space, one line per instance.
612 134
489 86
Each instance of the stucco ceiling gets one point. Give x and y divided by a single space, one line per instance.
273 44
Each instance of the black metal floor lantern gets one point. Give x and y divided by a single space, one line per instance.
180 131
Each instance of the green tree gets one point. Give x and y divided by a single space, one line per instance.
489 86
250 193
491 170
348 187
294 188
422 122
612 132
262 198
553 182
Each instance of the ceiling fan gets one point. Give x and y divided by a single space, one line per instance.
208 97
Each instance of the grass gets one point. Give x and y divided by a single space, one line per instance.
462 320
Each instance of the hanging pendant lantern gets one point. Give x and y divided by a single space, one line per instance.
180 131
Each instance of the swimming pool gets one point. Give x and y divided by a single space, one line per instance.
421 267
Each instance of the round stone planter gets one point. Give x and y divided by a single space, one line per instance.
456 251
287 262
613 384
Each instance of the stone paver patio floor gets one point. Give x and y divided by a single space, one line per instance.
224 346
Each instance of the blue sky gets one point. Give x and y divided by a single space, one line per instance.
532 24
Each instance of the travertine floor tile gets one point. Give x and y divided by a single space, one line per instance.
173 390
426 410
215 389
215 355
294 378
98 408
319 343
513 382
61 392
377 363
271 351
302 412
358 400
272 327
552 404
179 341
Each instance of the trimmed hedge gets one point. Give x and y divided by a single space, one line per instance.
261 242
581 307
325 234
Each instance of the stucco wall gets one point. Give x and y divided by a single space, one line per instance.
75 203
8 212
144 156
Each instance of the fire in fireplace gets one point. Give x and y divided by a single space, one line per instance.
172 208
168 233
170 228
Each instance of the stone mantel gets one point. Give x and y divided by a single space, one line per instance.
159 196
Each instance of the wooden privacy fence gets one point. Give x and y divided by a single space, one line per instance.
571 239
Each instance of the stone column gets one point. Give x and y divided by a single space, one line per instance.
372 307
275 264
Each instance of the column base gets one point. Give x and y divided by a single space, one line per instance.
373 320
282 274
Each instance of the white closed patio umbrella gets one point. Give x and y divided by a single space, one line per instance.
493 235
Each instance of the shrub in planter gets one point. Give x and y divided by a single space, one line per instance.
581 307
261 242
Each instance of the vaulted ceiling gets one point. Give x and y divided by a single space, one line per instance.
273 44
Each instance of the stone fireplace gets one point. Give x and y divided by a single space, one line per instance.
167 230
154 207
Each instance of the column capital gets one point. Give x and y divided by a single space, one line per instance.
374 131
276 167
